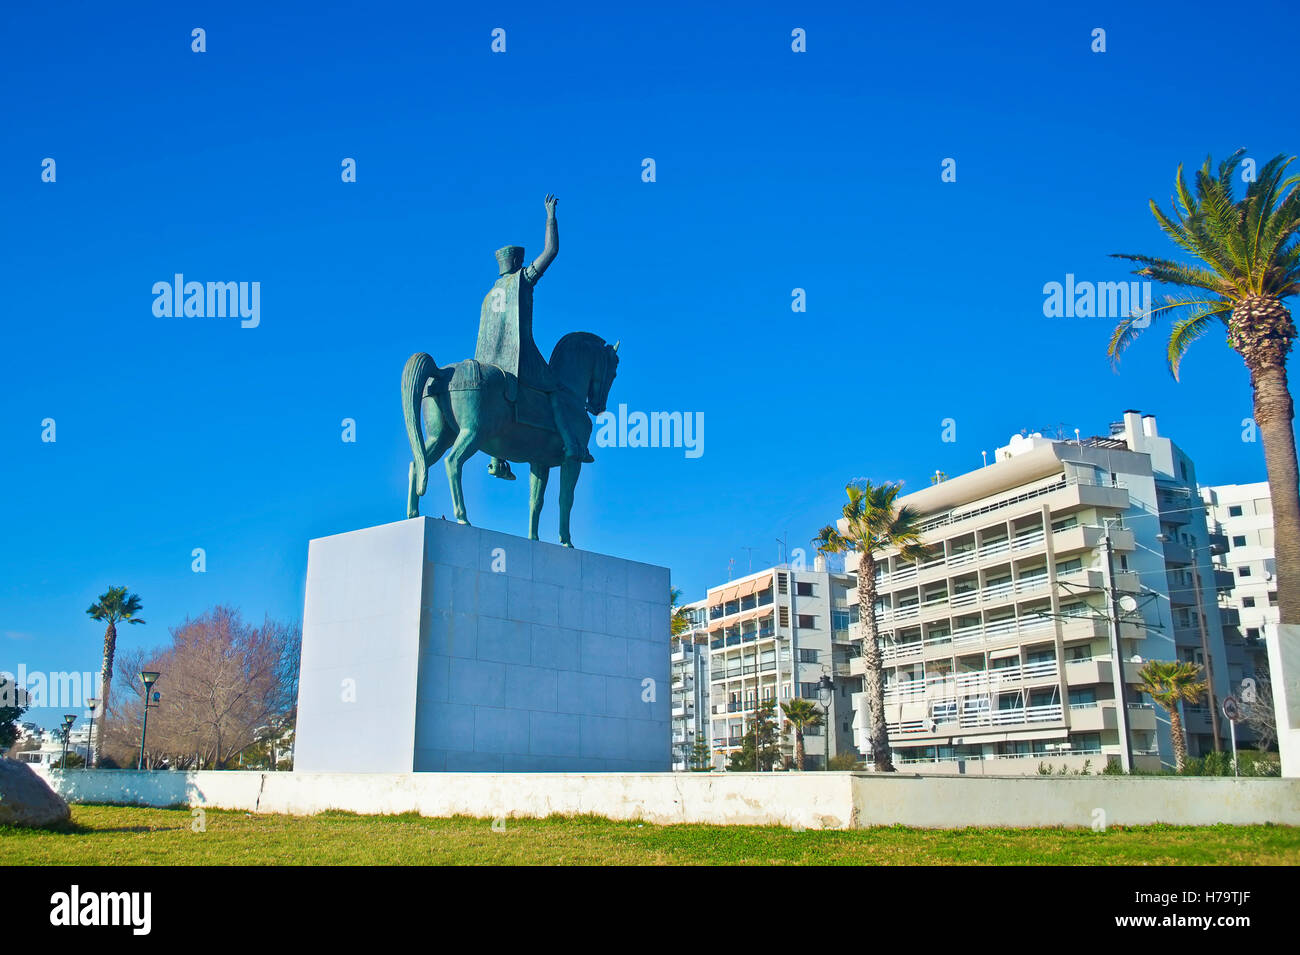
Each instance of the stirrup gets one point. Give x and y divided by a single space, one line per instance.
503 472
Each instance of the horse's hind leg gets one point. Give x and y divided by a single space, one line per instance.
434 448
465 446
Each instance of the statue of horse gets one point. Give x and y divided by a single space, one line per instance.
465 409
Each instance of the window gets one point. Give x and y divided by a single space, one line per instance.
1248 601
1272 598
807 621
1252 633
1243 571
805 589
1234 510
807 656
1083 696
840 620
808 691
1239 540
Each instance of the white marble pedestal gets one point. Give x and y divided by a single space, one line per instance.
434 646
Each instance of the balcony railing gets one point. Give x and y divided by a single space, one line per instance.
911 691
974 717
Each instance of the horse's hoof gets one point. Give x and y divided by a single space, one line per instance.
565 544
461 521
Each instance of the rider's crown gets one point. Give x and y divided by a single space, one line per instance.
510 258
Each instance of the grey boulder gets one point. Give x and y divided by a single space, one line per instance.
26 799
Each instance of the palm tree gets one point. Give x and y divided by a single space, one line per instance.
1171 683
677 620
873 523
801 713
1250 264
114 606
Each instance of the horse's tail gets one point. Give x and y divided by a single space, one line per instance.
420 367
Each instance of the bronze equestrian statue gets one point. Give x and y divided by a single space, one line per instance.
507 400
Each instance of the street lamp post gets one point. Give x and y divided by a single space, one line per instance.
148 678
68 720
826 694
90 739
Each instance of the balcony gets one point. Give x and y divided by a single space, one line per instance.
975 718
1098 670
947 685
1062 495
1088 537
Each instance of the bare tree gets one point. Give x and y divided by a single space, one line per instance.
1259 713
224 682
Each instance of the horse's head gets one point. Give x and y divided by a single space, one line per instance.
602 379
586 365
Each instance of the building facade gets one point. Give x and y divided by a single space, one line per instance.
1050 575
771 635
1241 515
689 676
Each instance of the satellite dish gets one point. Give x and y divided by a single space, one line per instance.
1127 603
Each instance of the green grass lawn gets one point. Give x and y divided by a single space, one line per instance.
118 835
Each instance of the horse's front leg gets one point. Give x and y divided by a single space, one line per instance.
536 496
569 471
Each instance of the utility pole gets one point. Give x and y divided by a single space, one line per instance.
1205 653
1117 667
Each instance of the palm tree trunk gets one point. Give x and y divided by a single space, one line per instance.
106 684
1274 412
873 680
1179 740
798 748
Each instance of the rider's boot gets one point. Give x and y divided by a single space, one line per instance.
500 468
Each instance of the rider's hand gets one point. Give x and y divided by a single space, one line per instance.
550 204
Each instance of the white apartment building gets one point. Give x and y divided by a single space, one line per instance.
1242 516
999 651
774 634
689 675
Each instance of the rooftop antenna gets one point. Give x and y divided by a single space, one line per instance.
985 456
1077 439
731 564
751 557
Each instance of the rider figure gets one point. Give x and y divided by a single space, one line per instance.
505 334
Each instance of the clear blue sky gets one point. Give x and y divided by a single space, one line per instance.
775 170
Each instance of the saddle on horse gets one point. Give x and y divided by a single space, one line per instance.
532 407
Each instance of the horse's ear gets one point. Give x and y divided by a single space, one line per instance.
616 344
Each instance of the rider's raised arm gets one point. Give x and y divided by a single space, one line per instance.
552 249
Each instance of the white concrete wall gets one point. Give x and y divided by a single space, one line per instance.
1284 667
811 800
